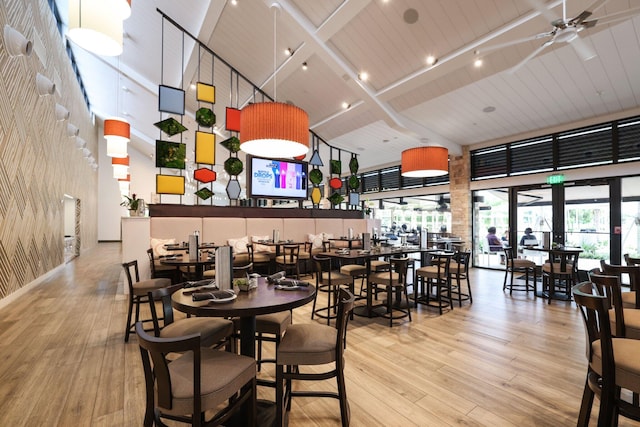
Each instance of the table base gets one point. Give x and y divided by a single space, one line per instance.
265 415
556 296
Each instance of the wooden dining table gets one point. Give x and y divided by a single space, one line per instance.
355 255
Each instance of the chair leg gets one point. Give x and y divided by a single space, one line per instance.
280 416
342 396
128 331
585 406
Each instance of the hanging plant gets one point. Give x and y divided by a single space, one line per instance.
232 144
205 117
315 176
335 183
353 165
336 167
354 182
335 199
233 166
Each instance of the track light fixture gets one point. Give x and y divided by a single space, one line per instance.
72 131
44 86
62 113
16 43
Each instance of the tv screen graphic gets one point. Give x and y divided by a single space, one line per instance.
276 178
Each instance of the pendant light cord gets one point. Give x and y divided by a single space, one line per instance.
275 65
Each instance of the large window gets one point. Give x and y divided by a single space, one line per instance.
630 227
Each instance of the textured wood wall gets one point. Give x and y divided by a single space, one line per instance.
39 163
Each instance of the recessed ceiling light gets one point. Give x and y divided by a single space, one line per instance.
363 76
192 86
288 51
489 109
234 2
346 105
431 60
304 66
477 63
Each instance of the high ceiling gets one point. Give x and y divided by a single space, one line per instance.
405 102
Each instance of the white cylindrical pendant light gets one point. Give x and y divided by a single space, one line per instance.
96 26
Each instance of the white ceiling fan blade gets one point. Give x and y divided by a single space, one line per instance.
583 50
597 4
588 12
614 17
519 65
513 42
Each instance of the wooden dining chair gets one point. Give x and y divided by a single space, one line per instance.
200 380
159 270
629 260
625 322
630 299
289 260
613 364
518 266
214 331
309 344
559 274
459 274
394 284
433 283
328 281
138 293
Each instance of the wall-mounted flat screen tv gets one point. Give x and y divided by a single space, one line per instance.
276 178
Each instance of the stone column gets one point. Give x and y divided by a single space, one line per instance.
461 200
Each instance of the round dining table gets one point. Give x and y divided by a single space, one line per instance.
247 305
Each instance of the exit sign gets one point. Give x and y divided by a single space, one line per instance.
555 179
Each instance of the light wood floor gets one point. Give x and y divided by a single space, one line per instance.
503 361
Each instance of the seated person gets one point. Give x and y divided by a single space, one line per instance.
528 239
494 242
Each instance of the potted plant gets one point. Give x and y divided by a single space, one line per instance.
132 203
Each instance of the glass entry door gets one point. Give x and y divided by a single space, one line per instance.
534 222
587 223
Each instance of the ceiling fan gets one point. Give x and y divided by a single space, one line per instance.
565 30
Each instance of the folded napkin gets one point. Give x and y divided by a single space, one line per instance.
197 283
220 294
291 283
275 277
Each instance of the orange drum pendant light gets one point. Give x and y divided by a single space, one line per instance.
120 167
425 162
274 129
117 132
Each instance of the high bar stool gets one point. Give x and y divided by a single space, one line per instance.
328 281
138 293
516 265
